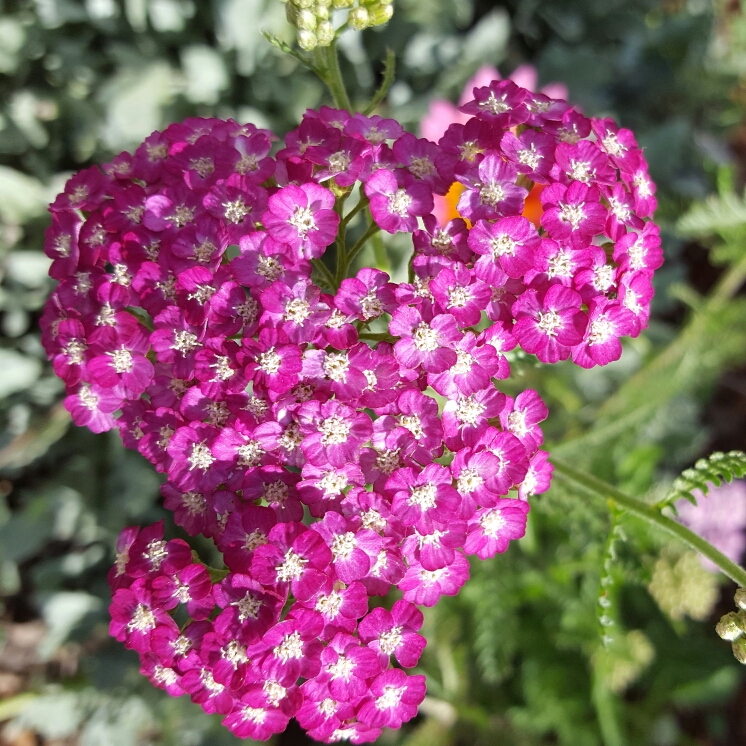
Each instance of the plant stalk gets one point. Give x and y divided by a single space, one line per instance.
655 517
327 65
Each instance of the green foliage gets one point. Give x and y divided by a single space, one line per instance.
706 473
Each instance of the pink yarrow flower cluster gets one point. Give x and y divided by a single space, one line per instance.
314 454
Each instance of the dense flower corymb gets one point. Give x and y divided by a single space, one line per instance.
187 315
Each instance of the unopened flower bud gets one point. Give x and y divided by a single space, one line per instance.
730 627
306 20
323 3
325 33
340 4
381 14
359 19
740 598
307 40
322 14
302 4
739 649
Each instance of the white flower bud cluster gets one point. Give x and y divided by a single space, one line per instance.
732 627
313 18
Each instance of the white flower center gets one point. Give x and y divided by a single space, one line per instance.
248 607
181 216
421 167
74 350
87 398
339 161
332 483
469 410
573 214
291 437
234 653
529 157
203 166
194 502
600 332
292 567
464 363
343 545
255 715
491 193
612 145
424 496
203 252
492 522
236 211
290 647
202 294
275 692
458 297
250 453
155 553
389 641
399 202
373 520
425 339
330 605
495 105
342 668
560 265
581 171
370 306
388 461
297 311
302 220
334 430
502 244
549 323
201 457
336 365
391 697
517 424
276 492
413 424
223 370
603 277
185 342
142 619
468 481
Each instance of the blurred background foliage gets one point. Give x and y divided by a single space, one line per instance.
519 657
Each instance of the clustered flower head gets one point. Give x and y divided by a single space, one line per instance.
313 18
330 464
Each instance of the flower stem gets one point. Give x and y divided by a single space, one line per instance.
355 250
325 273
327 66
378 337
653 516
362 203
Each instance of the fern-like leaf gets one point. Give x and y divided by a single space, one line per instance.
605 609
713 215
718 468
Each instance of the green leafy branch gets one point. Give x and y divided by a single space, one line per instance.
716 469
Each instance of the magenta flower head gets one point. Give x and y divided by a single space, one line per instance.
302 218
335 434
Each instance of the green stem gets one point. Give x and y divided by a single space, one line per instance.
378 337
325 272
606 706
655 517
363 202
389 72
327 65
355 250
